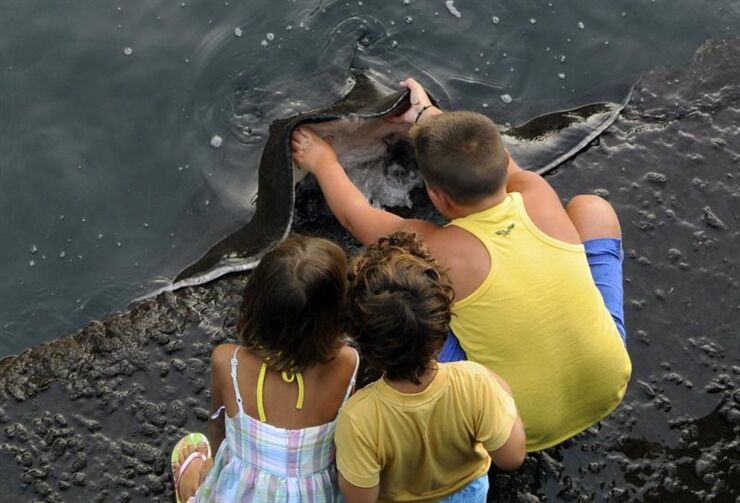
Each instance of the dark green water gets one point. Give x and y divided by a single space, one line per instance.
108 179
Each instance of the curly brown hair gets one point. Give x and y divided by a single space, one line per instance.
400 302
293 304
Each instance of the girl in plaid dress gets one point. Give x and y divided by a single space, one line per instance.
276 394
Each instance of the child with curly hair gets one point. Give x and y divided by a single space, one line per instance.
425 431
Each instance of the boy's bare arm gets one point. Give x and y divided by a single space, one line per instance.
366 223
542 203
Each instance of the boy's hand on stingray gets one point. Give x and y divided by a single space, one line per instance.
311 151
418 98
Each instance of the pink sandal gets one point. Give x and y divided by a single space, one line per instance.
191 440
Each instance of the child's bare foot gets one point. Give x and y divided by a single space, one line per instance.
311 151
190 479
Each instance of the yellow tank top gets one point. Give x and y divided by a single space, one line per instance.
539 321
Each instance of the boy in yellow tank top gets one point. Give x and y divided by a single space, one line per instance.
538 287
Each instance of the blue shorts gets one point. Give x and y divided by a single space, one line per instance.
475 492
605 261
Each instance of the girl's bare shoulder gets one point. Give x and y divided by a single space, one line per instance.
223 353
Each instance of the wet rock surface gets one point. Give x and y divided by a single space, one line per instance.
94 415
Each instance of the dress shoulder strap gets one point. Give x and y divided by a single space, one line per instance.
235 381
352 381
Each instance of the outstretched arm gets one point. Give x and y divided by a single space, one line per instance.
366 223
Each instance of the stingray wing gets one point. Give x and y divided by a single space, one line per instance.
273 216
539 145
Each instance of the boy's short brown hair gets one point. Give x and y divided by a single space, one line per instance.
400 306
462 154
294 302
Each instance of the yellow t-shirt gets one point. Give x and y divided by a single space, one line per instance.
539 321
424 446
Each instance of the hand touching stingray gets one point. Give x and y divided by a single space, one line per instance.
421 106
311 151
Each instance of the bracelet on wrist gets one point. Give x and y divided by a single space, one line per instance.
423 109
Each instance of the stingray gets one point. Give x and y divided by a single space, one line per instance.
378 157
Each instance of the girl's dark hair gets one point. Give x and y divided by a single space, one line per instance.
293 301
400 306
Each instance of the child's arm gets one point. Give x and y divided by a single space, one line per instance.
364 222
354 494
542 203
216 427
509 455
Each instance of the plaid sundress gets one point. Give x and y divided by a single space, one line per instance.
261 463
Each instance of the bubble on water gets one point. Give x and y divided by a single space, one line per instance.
187 61
118 243
263 43
61 217
216 141
83 220
406 2
100 235
562 58
532 20
62 253
485 105
270 36
606 42
581 25
450 4
146 225
496 19
238 31
561 76
207 202
289 27
394 44
34 249
506 98
127 51
408 20
31 263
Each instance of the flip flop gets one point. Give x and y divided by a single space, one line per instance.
189 440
